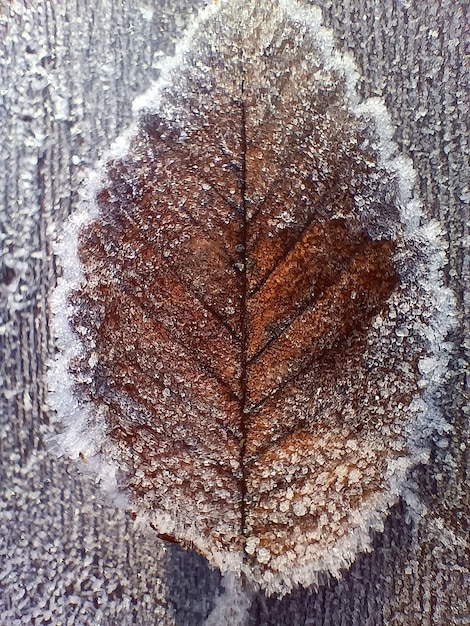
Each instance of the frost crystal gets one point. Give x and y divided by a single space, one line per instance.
251 312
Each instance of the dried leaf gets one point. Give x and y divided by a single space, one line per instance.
255 298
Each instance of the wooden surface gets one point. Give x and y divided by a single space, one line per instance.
69 72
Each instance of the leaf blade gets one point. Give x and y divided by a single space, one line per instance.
251 262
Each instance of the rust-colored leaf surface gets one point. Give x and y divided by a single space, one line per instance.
246 305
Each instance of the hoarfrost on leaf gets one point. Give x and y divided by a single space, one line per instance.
251 311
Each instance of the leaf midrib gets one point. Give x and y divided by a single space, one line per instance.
243 318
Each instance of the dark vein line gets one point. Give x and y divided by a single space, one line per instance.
207 307
309 304
208 233
233 205
302 370
170 269
255 357
273 443
244 325
135 427
273 184
183 155
314 358
300 148
288 78
289 249
278 262
202 364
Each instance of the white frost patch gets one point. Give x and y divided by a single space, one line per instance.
146 13
231 608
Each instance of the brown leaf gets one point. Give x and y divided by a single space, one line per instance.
244 288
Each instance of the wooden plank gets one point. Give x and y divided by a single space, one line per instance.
69 72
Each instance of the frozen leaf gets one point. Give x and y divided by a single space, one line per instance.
247 294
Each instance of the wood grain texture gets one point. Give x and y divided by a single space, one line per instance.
69 74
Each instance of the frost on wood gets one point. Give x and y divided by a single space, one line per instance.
251 315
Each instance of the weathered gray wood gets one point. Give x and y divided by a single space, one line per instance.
68 74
